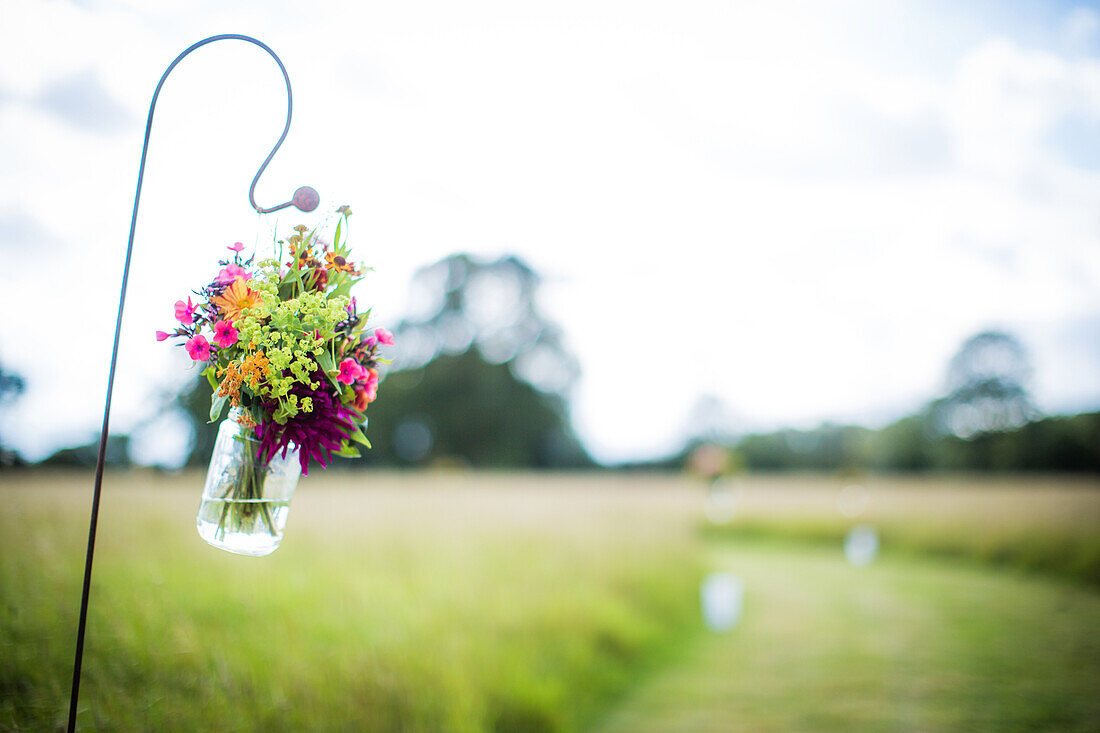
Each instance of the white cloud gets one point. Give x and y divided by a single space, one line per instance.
800 208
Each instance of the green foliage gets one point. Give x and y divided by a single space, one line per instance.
986 387
836 446
11 386
483 374
489 305
984 422
367 619
195 402
82 456
286 331
913 444
473 412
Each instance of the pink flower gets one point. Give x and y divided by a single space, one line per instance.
369 341
366 393
385 338
224 334
363 397
198 348
235 247
185 312
350 370
161 335
230 273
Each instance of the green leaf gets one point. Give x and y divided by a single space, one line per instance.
364 322
336 239
348 452
325 360
359 437
292 277
328 366
211 376
343 289
216 407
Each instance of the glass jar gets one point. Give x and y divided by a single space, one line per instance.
245 501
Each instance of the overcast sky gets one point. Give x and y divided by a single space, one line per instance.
800 208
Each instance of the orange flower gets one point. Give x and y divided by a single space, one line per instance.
363 397
254 368
337 262
236 298
231 385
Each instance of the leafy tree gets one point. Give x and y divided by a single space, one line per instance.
986 387
461 302
984 422
194 402
910 444
11 386
827 447
905 445
482 375
465 409
710 421
82 456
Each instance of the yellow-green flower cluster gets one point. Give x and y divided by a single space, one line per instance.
292 334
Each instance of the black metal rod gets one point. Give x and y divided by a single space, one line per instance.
305 199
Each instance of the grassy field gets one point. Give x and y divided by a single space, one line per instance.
435 604
1047 525
495 602
903 645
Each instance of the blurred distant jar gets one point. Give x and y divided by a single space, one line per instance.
717 466
711 460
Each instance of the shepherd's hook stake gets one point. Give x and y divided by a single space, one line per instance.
304 199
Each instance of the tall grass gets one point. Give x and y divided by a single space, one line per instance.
1039 524
406 607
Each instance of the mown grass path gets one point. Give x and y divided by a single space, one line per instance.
907 644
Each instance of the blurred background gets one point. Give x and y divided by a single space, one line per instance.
747 369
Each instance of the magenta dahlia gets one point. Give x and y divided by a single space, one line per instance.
316 433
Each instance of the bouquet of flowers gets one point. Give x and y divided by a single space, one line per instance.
284 346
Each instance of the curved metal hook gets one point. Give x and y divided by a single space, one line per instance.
305 199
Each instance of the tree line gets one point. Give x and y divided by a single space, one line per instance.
483 380
913 445
985 421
